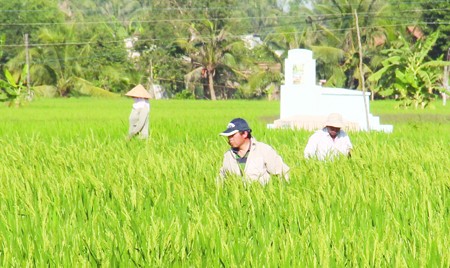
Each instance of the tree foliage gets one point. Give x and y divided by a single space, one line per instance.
436 16
408 74
18 18
75 44
13 90
336 48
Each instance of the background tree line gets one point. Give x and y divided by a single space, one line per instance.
197 49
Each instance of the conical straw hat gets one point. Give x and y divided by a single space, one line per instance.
138 92
335 120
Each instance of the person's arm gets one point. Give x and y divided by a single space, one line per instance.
311 147
275 164
349 147
228 165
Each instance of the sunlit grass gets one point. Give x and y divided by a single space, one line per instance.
73 192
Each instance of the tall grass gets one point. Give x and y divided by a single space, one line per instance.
73 192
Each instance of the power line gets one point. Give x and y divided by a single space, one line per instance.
206 37
139 9
321 16
231 7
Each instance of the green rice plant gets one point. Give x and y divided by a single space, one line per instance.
74 192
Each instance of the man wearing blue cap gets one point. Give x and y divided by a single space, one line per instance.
255 161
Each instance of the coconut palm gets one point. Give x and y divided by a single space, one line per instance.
210 48
56 63
336 46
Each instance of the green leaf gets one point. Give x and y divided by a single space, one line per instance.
3 96
377 75
387 92
10 78
23 75
11 92
394 60
410 78
400 76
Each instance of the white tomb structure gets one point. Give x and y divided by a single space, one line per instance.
305 105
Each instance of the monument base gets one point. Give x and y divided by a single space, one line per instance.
314 122
311 122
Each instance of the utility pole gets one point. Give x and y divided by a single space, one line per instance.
150 83
27 56
445 80
363 82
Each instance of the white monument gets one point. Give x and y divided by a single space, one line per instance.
157 92
306 105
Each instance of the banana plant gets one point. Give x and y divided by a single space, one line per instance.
409 74
12 90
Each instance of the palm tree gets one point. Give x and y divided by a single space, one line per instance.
210 48
56 63
336 46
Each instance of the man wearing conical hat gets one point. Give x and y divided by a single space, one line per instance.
139 116
329 142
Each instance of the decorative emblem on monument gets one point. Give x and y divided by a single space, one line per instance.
298 71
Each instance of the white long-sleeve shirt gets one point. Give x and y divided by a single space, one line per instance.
323 147
138 119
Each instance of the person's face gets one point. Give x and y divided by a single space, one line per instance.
237 140
333 131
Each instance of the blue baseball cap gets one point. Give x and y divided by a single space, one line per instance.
236 125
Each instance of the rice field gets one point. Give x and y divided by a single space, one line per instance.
75 193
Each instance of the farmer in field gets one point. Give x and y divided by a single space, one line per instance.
253 160
329 142
140 112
